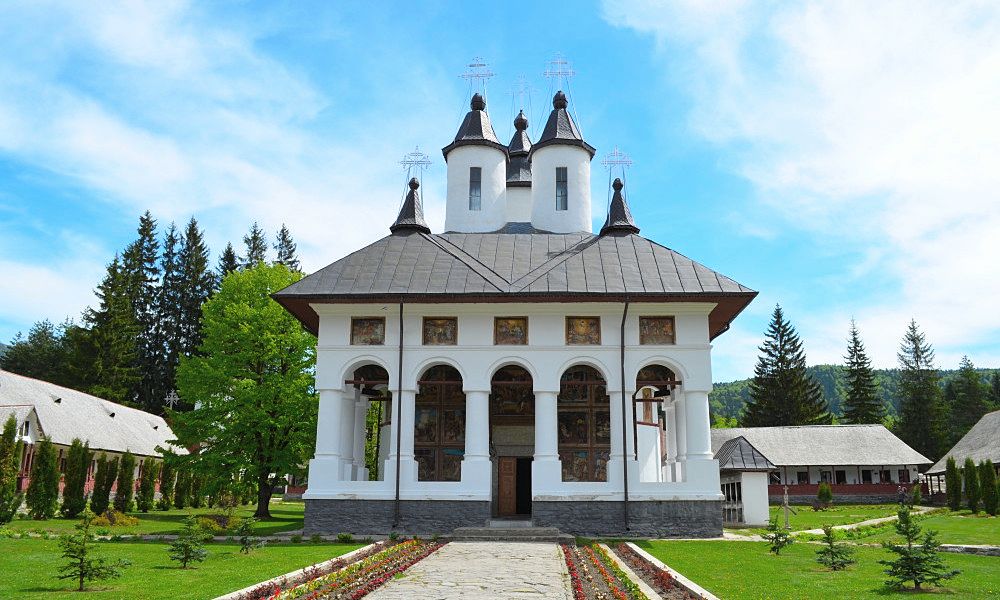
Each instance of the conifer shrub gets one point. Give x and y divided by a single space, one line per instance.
196 491
10 455
777 537
824 495
167 477
83 566
189 547
834 556
916 561
970 477
916 495
182 488
43 491
953 484
245 533
77 464
147 485
104 479
988 487
126 483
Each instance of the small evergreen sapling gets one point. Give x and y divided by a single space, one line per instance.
147 485
244 531
777 537
83 566
916 495
824 495
953 484
988 485
126 483
918 562
832 555
10 456
189 546
970 477
43 491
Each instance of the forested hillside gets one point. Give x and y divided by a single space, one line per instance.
727 399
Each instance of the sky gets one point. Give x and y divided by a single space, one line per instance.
841 158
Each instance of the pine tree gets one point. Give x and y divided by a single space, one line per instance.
832 555
988 487
953 484
125 489
43 491
40 355
995 389
167 477
198 284
256 247
189 546
919 563
921 420
970 402
169 315
228 262
142 275
970 480
286 249
147 485
104 478
782 393
74 492
113 334
862 404
83 566
10 459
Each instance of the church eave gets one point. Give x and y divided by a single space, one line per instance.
563 142
472 142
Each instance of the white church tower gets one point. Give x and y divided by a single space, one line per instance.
477 174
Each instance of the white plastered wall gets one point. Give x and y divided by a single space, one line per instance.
544 215
493 213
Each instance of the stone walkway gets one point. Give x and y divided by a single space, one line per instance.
483 570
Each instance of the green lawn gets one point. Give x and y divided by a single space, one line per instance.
953 528
29 568
746 570
285 516
843 514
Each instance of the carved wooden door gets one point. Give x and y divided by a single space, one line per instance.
507 486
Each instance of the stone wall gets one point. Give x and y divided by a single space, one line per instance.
375 517
647 519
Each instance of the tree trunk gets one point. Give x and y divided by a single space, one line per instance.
263 497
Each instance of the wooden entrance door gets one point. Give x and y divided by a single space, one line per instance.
507 486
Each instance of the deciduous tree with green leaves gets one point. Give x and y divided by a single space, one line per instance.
917 562
251 382
782 393
10 458
43 491
83 566
861 404
953 484
125 489
970 479
74 491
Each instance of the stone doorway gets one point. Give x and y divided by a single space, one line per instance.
512 441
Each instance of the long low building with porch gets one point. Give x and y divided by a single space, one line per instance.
862 463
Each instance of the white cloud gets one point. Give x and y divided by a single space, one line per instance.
874 126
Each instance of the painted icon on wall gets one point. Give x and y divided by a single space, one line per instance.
575 465
583 331
368 331
510 331
453 426
656 330
440 331
426 463
451 464
425 428
573 427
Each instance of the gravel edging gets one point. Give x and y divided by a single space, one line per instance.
300 576
639 581
683 581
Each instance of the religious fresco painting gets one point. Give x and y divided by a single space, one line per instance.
584 425
453 426
440 331
368 331
510 331
656 330
425 425
583 331
439 425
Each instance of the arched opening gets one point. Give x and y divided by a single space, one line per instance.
373 383
439 425
654 435
584 420
512 439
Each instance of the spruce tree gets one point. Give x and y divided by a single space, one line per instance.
988 487
921 420
228 262
104 478
83 566
286 249
256 247
147 485
43 491
953 484
10 461
782 393
919 563
862 404
74 491
167 477
970 402
40 355
198 284
169 315
995 390
832 555
189 546
113 335
125 489
970 481
142 276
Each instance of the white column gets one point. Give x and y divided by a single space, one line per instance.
680 417
347 434
546 469
616 426
407 465
476 471
622 454
360 429
699 442
671 419
324 468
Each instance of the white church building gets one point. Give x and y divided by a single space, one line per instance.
520 366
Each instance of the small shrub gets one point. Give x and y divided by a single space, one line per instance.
345 538
245 532
824 495
83 566
916 496
113 518
917 562
296 539
210 525
316 538
189 546
393 536
832 555
777 537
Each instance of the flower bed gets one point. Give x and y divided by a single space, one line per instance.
359 578
594 576
658 579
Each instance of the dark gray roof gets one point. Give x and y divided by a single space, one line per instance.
470 267
519 165
476 129
619 216
411 214
980 443
738 454
560 128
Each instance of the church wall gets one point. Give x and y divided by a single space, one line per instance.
518 204
493 213
544 215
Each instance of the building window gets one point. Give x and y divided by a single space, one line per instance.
475 188
368 331
584 425
866 476
802 477
825 477
903 475
562 189
841 477
26 428
884 477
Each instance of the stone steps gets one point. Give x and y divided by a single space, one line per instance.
506 533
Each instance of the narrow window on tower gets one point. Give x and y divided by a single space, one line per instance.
562 189
475 188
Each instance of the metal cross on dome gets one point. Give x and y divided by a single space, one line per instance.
415 162
559 69
477 73
616 158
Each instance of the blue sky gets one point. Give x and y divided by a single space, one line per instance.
844 162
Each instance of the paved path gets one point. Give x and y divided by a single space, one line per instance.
486 570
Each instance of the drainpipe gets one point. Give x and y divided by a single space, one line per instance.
624 412
399 415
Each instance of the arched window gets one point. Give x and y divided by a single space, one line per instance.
584 425
373 381
439 425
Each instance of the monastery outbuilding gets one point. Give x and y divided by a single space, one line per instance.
521 366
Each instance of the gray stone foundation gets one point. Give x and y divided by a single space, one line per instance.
375 517
647 519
